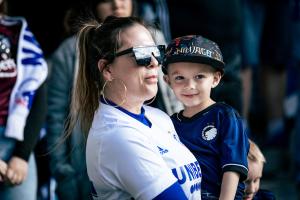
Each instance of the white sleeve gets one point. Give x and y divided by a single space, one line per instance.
133 164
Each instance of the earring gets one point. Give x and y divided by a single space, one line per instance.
151 101
125 94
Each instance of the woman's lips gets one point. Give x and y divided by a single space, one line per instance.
152 78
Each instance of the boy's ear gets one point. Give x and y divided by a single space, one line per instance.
104 68
167 80
217 79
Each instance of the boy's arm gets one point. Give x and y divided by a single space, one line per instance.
229 185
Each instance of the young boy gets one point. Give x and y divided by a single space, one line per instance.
256 161
214 132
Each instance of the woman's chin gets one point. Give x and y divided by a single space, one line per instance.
152 91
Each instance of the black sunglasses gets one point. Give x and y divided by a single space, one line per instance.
143 54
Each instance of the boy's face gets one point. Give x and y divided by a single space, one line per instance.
253 180
192 82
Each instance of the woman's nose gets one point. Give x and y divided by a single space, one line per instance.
153 62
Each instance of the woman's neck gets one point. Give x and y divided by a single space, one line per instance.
133 106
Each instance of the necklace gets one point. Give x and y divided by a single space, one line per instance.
177 115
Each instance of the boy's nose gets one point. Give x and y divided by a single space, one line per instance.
190 84
251 188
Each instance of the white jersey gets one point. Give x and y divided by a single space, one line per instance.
127 159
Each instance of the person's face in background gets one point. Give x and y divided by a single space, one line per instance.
118 8
253 180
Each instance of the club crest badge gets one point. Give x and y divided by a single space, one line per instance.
209 133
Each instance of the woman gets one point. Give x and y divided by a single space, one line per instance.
132 150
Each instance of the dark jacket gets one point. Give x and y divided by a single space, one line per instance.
67 156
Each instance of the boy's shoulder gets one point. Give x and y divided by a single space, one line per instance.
226 109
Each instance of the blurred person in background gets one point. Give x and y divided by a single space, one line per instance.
23 71
265 43
256 161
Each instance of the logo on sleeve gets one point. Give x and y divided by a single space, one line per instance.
209 133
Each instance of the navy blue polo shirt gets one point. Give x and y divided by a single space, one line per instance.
218 138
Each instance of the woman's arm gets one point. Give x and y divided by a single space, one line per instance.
17 166
34 124
3 168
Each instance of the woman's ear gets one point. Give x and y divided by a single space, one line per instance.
103 66
217 79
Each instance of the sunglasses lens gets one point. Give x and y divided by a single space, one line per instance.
143 62
143 54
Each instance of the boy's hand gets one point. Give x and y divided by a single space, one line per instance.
17 169
3 169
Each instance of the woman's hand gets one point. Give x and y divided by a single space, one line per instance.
3 169
17 170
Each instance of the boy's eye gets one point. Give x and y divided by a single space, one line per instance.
199 76
177 78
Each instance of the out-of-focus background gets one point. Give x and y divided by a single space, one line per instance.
259 39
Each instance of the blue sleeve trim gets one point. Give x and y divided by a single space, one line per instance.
173 192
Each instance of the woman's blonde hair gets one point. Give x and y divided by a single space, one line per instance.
255 153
